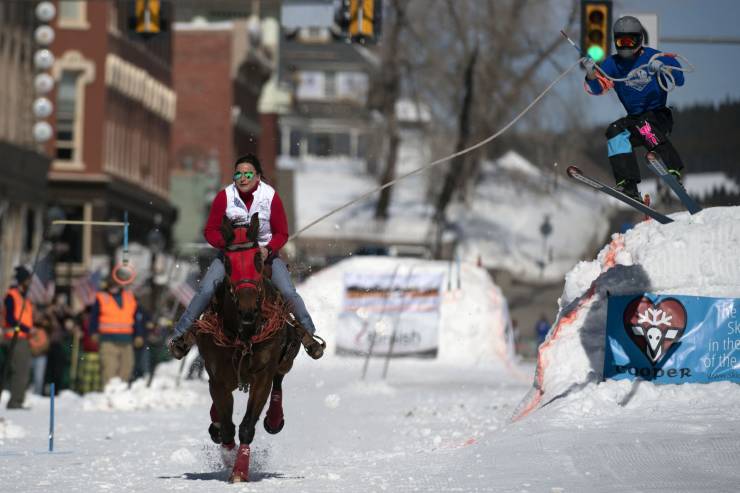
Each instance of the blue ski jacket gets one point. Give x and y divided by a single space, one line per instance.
641 92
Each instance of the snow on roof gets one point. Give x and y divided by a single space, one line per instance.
513 161
409 111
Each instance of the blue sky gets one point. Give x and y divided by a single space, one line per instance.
717 66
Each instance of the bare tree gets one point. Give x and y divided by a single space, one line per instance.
507 37
389 92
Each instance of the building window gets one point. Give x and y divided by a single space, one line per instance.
329 86
73 14
319 144
295 143
71 239
311 85
67 116
329 144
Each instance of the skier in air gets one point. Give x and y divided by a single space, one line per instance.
649 121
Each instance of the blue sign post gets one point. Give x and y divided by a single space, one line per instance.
672 338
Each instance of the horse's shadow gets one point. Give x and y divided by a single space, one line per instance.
223 476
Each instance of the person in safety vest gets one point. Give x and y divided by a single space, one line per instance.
649 121
18 316
116 323
247 195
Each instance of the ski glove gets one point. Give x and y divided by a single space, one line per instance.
590 65
655 66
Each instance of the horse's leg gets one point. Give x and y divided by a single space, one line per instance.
258 393
274 419
223 401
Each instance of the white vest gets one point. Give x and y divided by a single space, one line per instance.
239 214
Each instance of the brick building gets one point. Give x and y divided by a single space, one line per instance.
23 167
114 108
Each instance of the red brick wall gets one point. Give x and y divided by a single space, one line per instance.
202 81
92 43
268 143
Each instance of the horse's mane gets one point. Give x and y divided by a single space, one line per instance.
274 312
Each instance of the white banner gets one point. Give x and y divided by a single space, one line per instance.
384 309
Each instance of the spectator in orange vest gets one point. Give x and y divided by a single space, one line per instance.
19 316
117 324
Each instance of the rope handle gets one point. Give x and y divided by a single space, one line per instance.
606 82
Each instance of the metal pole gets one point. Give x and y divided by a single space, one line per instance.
91 223
395 327
382 313
51 418
725 40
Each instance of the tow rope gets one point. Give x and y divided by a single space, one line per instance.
438 161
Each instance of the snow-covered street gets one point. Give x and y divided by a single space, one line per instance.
428 428
442 424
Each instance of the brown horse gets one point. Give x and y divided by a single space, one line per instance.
248 341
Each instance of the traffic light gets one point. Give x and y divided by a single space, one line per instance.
148 16
596 21
362 16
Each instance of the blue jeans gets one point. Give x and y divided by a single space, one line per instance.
215 274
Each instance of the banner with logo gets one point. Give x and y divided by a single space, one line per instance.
393 311
672 338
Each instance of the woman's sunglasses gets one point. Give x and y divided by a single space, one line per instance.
246 174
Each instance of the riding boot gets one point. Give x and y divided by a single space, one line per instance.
314 345
180 345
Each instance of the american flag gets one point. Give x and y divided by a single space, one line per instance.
84 288
41 290
183 292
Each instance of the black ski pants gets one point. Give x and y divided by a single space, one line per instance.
649 130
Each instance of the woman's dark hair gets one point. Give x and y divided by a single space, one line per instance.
251 159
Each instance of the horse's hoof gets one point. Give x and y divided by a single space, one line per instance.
215 431
276 430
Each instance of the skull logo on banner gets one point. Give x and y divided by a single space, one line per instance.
654 328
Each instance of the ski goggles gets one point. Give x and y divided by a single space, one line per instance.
246 174
627 40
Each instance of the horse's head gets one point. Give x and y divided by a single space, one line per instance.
244 266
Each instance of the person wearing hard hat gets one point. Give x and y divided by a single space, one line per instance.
18 316
117 324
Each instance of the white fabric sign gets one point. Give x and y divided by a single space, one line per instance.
382 307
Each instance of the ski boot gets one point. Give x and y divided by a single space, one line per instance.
676 173
629 188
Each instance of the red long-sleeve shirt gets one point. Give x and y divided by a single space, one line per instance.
278 221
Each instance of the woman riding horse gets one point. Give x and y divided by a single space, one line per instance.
247 341
246 196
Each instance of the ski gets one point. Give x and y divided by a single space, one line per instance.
657 166
577 175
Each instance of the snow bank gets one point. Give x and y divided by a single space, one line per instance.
10 430
474 325
694 255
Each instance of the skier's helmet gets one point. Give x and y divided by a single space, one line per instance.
629 35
